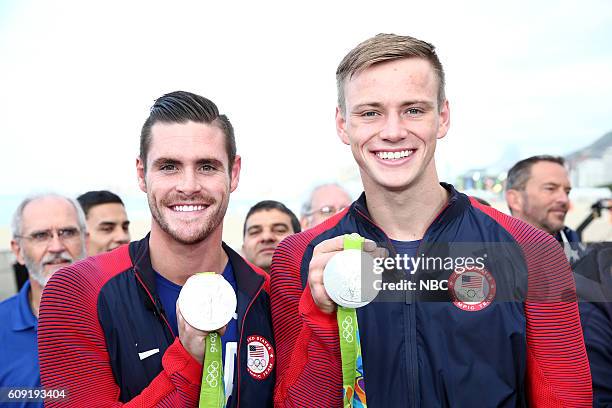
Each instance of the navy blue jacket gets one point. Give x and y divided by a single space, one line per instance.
103 335
430 348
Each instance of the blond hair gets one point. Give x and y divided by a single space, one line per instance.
382 48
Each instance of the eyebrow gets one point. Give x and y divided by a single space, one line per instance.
166 160
365 105
280 224
254 227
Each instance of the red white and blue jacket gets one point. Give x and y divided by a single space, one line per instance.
527 352
104 338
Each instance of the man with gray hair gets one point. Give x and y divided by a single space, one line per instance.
49 232
324 201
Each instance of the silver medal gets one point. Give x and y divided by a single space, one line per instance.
207 301
344 277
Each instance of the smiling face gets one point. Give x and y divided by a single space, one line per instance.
392 122
264 230
187 180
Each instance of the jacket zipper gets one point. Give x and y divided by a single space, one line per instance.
162 315
410 325
238 352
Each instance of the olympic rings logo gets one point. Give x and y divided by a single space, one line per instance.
213 374
347 329
258 363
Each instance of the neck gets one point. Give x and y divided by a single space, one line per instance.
405 215
34 296
177 262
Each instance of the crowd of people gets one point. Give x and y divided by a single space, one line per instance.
98 317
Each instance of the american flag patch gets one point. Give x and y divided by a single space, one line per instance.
470 281
256 351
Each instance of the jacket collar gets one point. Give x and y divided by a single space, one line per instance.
247 280
457 204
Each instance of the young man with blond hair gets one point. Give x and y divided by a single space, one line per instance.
487 340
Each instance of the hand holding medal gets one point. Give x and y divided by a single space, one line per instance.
207 302
345 278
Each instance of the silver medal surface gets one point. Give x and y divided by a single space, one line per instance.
207 301
343 278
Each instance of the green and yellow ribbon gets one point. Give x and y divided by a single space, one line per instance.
350 345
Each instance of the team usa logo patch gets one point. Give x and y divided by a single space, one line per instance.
472 290
260 357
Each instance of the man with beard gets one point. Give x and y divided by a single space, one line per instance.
49 233
110 330
537 192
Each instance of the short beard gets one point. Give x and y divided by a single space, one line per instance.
211 224
36 269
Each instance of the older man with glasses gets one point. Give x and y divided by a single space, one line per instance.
49 232
325 200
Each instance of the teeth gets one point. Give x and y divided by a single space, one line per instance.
394 155
188 208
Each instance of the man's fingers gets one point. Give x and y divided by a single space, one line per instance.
329 245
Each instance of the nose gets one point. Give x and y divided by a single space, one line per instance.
562 196
267 236
393 129
56 245
122 237
188 183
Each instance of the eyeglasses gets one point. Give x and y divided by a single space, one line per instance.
46 236
327 210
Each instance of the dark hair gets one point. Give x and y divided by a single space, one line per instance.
267 205
93 198
519 174
182 107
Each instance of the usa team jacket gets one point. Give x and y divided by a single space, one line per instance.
104 338
528 352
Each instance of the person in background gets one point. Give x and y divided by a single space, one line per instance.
265 226
49 232
537 192
324 201
107 221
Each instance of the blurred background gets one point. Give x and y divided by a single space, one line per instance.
77 79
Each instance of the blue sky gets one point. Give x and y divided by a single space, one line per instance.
77 78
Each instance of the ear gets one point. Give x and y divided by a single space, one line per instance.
304 223
140 173
444 119
16 248
341 126
235 175
514 199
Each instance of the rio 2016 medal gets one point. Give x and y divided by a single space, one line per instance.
343 278
207 301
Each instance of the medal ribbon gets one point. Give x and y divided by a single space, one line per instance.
350 346
212 392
